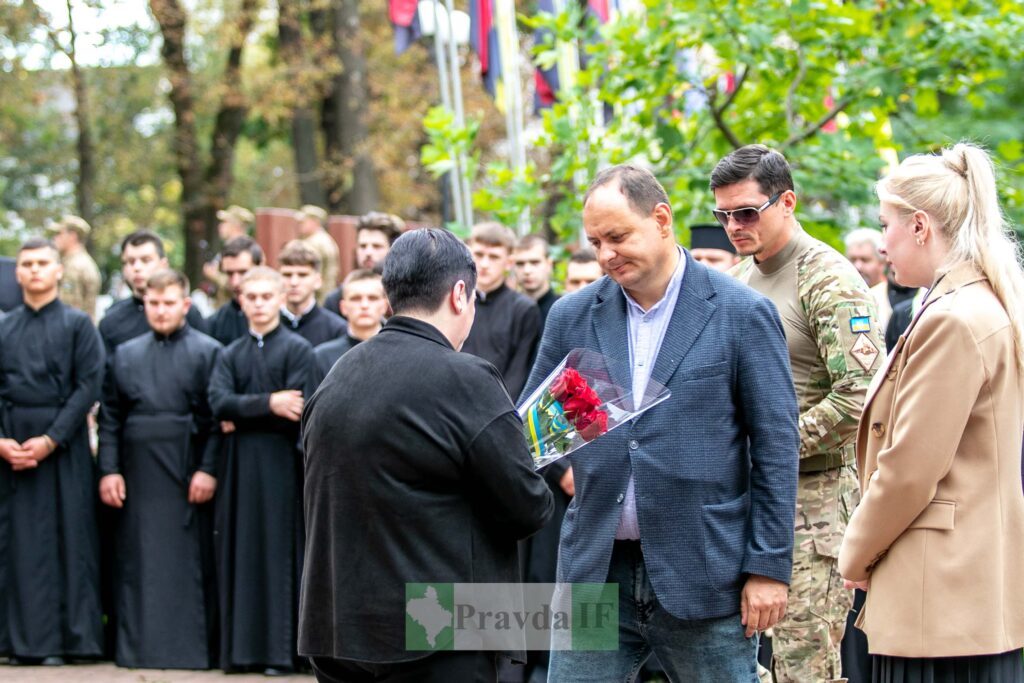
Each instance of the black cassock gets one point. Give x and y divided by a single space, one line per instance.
317 326
51 367
227 324
258 526
505 333
156 430
126 319
327 354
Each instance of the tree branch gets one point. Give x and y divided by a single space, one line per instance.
231 113
813 129
725 129
740 80
791 93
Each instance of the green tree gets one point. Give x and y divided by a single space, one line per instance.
839 87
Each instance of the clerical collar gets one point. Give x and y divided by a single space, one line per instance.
487 297
547 296
45 308
173 336
261 338
296 318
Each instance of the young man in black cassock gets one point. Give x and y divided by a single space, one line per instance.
237 258
51 368
416 469
299 266
260 384
364 305
157 459
533 266
142 254
508 324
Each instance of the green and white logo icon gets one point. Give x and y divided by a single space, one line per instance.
429 616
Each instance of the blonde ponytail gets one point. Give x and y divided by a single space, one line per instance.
957 188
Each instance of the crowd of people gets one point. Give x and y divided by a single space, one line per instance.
842 442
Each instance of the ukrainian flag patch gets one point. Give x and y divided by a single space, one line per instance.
860 325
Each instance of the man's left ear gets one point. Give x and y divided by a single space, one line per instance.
788 201
458 297
663 214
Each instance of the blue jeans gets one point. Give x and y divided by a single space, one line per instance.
701 651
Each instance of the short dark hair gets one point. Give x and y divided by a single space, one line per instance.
392 226
140 237
298 253
240 245
641 188
362 274
583 255
162 279
38 243
754 162
492 234
423 266
532 240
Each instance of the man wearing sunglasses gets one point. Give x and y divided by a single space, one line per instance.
835 345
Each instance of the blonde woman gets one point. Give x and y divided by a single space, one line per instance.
938 538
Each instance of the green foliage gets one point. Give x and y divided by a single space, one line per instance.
840 88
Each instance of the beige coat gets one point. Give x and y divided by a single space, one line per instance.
940 527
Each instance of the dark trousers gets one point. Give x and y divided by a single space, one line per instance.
439 667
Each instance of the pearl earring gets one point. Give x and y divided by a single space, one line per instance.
920 242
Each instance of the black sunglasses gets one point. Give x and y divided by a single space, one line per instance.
745 216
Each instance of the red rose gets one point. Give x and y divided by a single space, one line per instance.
583 400
592 425
564 384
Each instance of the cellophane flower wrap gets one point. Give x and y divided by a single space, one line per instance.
578 403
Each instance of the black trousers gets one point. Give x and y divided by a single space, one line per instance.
439 667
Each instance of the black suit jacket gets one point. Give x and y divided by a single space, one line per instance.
417 471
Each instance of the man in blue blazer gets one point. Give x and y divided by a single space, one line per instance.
690 507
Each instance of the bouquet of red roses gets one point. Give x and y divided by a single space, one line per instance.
577 403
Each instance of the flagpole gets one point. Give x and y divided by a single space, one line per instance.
508 40
446 100
456 78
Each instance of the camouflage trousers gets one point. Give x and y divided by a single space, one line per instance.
806 642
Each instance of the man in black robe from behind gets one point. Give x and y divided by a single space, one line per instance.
157 459
51 367
237 258
142 254
417 470
259 384
299 265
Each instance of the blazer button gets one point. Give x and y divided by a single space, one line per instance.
878 430
621 498
634 444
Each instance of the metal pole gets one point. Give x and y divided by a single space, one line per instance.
446 101
509 41
453 59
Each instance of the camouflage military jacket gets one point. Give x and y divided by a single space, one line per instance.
834 339
81 282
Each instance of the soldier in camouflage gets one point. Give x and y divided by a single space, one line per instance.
80 283
835 346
